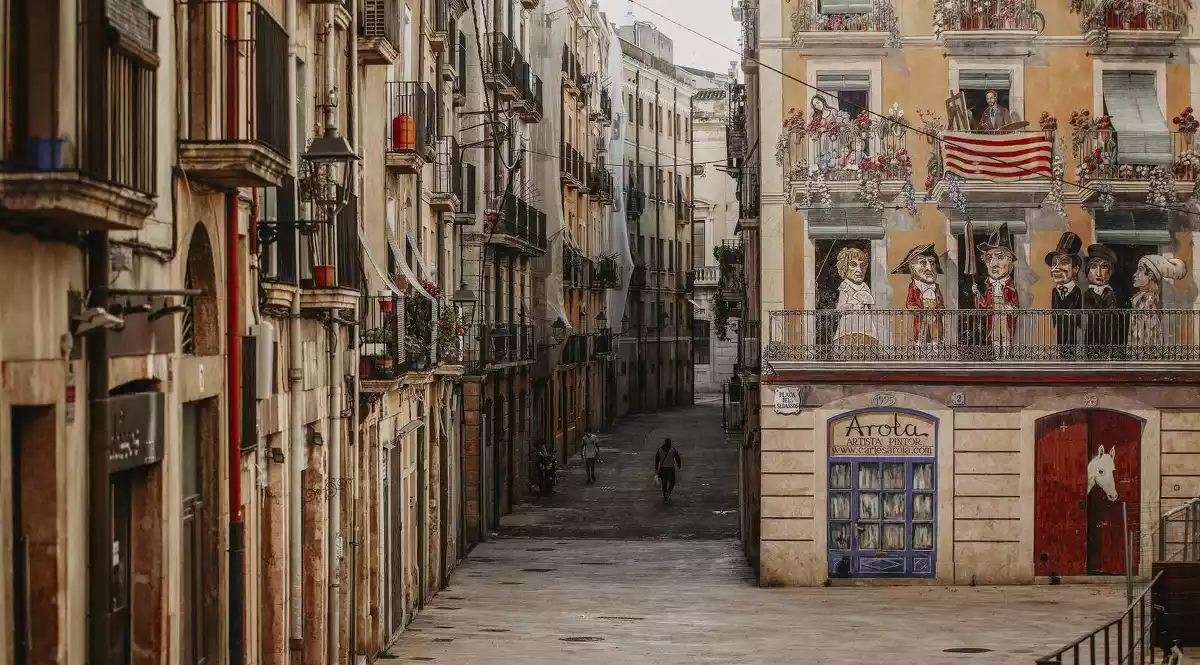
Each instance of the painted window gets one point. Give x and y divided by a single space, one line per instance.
975 85
849 91
1142 134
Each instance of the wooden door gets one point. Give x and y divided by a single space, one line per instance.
1060 490
194 547
1121 437
394 541
120 627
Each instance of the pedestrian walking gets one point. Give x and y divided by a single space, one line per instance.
666 460
590 453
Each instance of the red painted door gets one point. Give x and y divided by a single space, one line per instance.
1060 491
1121 437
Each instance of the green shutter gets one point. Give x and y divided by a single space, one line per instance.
1133 226
845 223
1131 100
993 80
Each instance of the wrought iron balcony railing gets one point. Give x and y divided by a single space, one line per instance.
601 183
498 65
575 349
749 346
573 167
412 125
459 55
467 203
529 92
972 335
603 113
1158 15
517 223
635 200
447 176
382 340
488 344
989 15
380 19
444 14
733 406
572 71
334 261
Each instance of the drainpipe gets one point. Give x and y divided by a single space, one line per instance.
233 373
336 382
99 537
355 107
295 386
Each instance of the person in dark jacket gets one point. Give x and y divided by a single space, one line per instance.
1102 335
666 460
1067 296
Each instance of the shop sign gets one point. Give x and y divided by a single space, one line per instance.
884 433
136 430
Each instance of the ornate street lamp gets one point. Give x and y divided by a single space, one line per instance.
317 184
559 330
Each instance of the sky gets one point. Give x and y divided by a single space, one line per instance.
710 18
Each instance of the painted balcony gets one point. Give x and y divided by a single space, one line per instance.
826 168
378 31
412 123
1167 169
1107 23
233 72
981 22
1011 168
60 173
843 23
1106 342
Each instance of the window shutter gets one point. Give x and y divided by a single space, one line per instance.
1143 137
833 81
846 6
1133 226
992 80
987 220
845 223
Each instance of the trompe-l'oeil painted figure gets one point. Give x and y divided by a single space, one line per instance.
1145 326
1065 263
924 294
1102 335
855 327
1000 290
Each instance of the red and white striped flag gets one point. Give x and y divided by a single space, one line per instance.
997 157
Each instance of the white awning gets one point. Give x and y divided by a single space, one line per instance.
1131 100
987 220
387 280
845 223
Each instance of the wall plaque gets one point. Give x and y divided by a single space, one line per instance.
890 433
787 400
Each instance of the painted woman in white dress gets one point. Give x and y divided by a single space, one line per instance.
1146 336
856 326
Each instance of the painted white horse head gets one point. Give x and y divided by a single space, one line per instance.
1100 472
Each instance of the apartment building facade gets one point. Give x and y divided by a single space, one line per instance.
979 318
655 355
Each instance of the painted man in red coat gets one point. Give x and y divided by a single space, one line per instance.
1000 293
924 294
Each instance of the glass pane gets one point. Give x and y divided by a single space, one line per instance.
893 536
893 506
839 476
922 537
839 535
839 506
868 536
868 506
923 476
868 476
893 476
923 507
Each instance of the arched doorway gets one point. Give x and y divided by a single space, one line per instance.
1087 471
202 321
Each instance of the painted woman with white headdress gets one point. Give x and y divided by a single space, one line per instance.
1145 326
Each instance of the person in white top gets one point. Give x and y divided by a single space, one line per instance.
590 453
855 327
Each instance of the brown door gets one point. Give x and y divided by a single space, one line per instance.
120 626
1060 490
394 539
191 617
1121 437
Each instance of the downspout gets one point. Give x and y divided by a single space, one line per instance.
352 137
335 485
658 327
352 636
233 371
637 149
691 136
295 386
99 537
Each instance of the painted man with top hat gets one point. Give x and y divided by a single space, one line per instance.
1001 290
924 294
1102 335
1064 262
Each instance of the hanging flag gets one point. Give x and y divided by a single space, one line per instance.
997 157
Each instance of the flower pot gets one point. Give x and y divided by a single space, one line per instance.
385 306
45 154
323 276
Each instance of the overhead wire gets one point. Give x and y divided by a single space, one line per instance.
929 135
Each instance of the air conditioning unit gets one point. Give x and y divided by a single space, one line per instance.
265 376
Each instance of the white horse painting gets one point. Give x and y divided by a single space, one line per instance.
1100 472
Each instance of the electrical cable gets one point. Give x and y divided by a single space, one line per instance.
928 135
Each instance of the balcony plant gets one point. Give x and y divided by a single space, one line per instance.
418 329
374 345
805 17
450 333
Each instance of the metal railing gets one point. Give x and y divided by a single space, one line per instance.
749 193
458 55
380 19
235 55
498 65
571 69
1179 533
447 172
572 166
750 345
519 219
844 155
1126 640
978 335
467 200
733 406
876 20
606 114
635 201
970 15
602 183
1183 149
1167 15
495 343
382 337
412 118
575 349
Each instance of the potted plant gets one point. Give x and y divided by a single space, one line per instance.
418 329
374 344
450 332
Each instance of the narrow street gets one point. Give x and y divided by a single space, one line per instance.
622 578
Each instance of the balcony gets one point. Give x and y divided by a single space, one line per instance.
498 65
99 175
575 350
601 184
233 127
572 71
451 63
968 341
492 345
1132 22
412 113
378 31
749 196
736 138
397 339
707 276
731 262
683 209
1101 166
828 159
980 22
518 226
749 347
528 104
750 36
876 28
635 201
602 345
637 279
467 206
444 14
447 177
602 144
990 179
573 167
460 67
332 275
733 406
530 4
603 114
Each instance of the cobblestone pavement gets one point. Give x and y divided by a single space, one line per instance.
622 578
625 503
